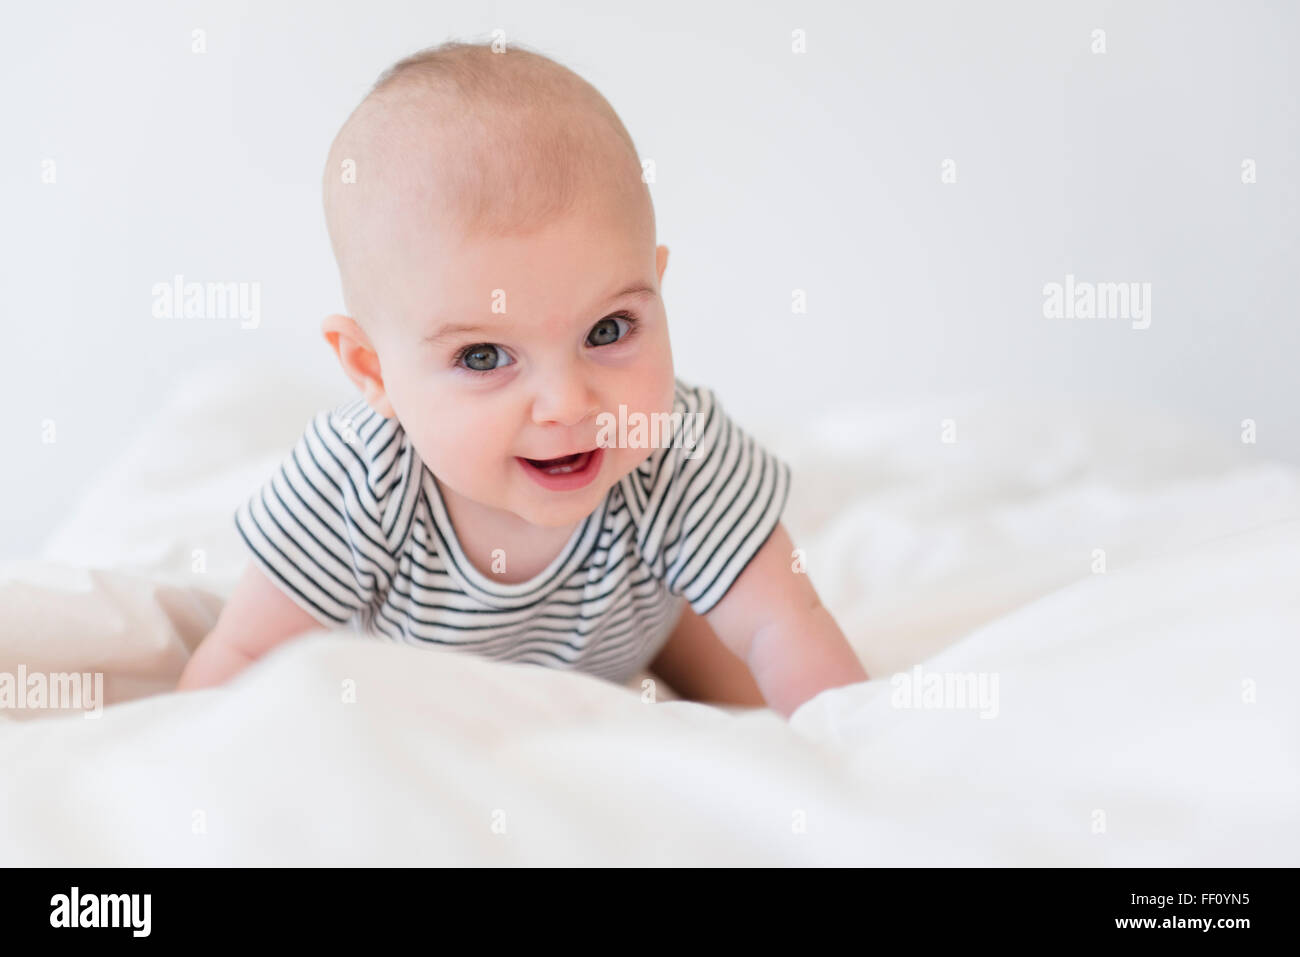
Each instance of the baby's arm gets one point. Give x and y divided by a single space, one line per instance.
773 620
257 617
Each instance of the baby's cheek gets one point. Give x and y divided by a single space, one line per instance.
660 389
653 392
455 454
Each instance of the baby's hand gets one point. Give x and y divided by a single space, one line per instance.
773 620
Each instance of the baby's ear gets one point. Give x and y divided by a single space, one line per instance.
661 260
359 360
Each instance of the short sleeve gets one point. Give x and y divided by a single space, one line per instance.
321 525
705 505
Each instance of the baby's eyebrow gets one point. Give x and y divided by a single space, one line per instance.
453 329
450 330
636 289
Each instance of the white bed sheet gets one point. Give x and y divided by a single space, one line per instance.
1144 714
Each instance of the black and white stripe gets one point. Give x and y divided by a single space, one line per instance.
353 527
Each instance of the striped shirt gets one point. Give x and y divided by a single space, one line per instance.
354 529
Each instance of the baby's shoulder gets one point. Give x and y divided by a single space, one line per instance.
689 397
372 450
355 422
692 427
707 501
676 441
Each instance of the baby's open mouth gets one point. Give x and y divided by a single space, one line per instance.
563 465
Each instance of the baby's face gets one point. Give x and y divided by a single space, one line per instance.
498 350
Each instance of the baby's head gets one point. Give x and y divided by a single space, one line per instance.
496 244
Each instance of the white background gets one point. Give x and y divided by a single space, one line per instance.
775 171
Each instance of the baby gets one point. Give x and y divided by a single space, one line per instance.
524 478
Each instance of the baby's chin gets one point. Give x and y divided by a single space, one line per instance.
555 514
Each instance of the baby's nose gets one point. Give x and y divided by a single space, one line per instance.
563 400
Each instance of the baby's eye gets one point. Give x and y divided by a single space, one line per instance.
608 330
483 358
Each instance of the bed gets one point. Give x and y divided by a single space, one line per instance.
1126 584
